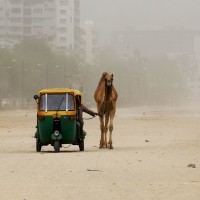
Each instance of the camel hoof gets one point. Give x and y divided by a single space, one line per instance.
102 146
110 146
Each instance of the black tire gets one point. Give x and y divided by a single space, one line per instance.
38 145
81 145
57 146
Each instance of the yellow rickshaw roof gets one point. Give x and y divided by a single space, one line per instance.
60 90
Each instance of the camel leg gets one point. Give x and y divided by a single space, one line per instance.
110 146
106 129
102 141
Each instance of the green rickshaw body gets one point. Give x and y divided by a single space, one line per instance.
68 129
57 118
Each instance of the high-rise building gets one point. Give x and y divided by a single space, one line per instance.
89 43
67 25
56 21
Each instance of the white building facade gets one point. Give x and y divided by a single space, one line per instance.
90 43
56 21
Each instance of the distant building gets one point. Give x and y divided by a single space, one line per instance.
180 45
153 43
67 25
57 21
89 43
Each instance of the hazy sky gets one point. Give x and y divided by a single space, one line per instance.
119 14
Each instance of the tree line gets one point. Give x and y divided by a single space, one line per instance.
32 65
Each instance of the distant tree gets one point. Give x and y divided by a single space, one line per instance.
33 51
145 81
26 67
5 65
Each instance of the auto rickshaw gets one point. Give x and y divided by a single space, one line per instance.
57 122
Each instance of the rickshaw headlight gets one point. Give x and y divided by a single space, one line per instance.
56 133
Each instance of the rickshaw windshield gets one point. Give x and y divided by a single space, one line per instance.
54 102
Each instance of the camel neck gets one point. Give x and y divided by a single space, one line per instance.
108 90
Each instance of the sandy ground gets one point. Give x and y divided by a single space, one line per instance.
152 151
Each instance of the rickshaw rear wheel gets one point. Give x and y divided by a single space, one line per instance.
38 145
57 146
81 145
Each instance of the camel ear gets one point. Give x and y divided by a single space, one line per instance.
112 75
104 74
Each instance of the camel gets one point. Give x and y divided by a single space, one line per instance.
106 97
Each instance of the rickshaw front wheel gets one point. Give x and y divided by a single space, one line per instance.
81 145
57 146
38 145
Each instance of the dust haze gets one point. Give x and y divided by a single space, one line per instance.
151 47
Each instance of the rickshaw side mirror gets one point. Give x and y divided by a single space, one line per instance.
36 98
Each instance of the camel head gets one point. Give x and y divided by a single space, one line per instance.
108 78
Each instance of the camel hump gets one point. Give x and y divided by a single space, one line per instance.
114 94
